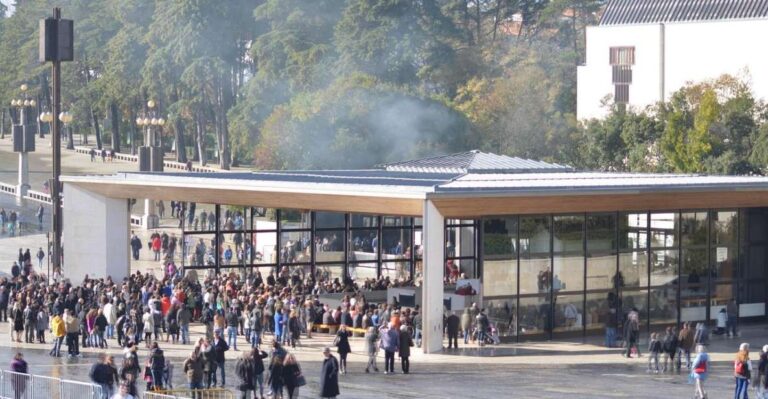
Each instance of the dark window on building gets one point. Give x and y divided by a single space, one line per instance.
622 74
621 94
622 55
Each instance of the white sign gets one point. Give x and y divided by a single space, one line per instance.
722 254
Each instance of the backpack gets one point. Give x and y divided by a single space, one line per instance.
741 368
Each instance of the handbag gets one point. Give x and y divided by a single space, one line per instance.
336 340
300 380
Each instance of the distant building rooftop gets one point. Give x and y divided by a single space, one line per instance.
629 12
474 162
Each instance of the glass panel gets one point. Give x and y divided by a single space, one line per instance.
753 261
663 307
233 218
398 272
203 216
568 234
664 230
569 316
535 317
460 242
601 233
395 243
599 312
664 267
417 243
601 270
499 277
724 227
200 249
534 236
295 247
534 276
500 238
360 220
634 300
633 230
265 248
722 296
501 314
329 246
418 221
459 268
693 227
330 277
754 225
359 272
723 263
459 221
325 220
693 294
390 221
294 219
569 273
264 219
362 245
633 270
752 298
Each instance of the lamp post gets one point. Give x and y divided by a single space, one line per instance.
66 118
150 157
24 131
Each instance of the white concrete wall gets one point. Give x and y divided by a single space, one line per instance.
95 235
693 52
432 289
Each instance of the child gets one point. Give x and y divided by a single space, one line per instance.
654 348
168 374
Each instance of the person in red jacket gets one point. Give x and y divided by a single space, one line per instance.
157 244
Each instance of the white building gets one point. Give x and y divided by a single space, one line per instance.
644 50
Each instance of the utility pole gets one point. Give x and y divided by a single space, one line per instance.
56 45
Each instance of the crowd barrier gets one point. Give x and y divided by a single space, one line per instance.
28 386
167 164
210 393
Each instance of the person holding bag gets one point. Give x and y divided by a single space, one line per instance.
245 372
342 344
292 376
742 372
700 371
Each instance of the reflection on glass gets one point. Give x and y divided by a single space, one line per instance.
724 226
295 247
294 219
693 293
359 272
333 220
460 241
361 220
598 313
264 219
534 236
569 273
635 300
633 230
395 243
601 233
569 315
397 271
568 234
723 263
664 267
601 270
502 314
200 249
390 221
363 245
330 277
233 218
693 227
196 217
664 230
535 317
329 246
633 270
534 276
663 305
265 247
500 238
499 277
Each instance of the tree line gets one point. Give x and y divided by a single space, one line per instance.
295 84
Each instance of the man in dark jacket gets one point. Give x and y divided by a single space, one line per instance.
157 365
452 326
245 372
104 375
329 375
219 347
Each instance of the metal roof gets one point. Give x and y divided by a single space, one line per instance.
627 12
474 162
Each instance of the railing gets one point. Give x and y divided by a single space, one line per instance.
39 196
210 393
29 386
166 164
136 221
7 188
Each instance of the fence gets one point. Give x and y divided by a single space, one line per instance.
7 188
210 393
29 386
167 164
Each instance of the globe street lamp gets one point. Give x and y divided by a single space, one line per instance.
150 156
24 131
66 118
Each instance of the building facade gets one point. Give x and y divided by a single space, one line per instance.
554 249
644 50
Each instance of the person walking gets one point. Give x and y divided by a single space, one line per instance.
466 325
275 380
43 323
329 375
59 330
685 342
233 320
258 357
700 371
40 256
654 349
406 342
244 369
193 368
101 375
371 338
742 371
762 375
632 332
670 348
20 378
209 357
701 335
390 342
452 324
292 377
294 327
156 366
219 348
342 347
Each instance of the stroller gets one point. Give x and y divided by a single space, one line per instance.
491 337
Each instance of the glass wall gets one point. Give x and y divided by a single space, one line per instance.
337 249
570 275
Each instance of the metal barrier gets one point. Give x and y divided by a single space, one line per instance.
210 393
7 188
166 164
29 386
39 196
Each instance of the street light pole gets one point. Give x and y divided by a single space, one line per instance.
56 45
